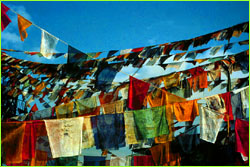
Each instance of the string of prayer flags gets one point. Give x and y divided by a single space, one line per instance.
23 24
137 92
48 44
5 20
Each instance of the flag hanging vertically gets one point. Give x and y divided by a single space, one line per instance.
23 24
48 44
5 20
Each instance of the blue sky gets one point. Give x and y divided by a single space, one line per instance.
103 26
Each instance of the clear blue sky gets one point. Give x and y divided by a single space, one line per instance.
102 26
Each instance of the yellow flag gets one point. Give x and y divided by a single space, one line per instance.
23 24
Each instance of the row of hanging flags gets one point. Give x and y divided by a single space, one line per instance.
92 110
49 42
42 138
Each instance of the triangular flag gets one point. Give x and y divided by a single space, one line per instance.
48 44
137 92
112 52
5 20
23 24
34 108
76 56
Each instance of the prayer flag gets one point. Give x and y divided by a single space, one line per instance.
23 24
48 44
137 92
5 20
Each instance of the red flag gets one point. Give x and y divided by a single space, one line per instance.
227 99
137 49
137 92
5 20
242 137
34 108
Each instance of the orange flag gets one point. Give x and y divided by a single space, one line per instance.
23 24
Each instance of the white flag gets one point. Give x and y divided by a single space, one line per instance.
48 44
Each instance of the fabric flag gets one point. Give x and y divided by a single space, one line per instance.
125 51
129 160
87 134
117 161
145 160
216 103
65 110
23 24
48 44
189 140
186 111
69 131
191 55
227 47
5 20
42 114
109 131
111 53
130 128
94 161
34 108
215 50
227 99
33 130
76 56
114 107
67 161
242 138
198 78
86 106
210 124
137 92
12 141
105 75
162 155
245 99
151 122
